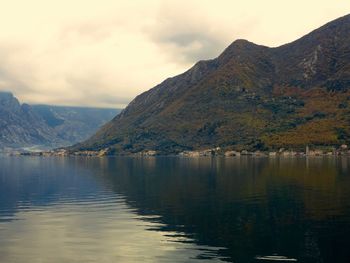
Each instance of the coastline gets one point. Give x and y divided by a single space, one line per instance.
213 152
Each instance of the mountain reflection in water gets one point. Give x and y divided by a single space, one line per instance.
170 209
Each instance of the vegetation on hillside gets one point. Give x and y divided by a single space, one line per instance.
251 97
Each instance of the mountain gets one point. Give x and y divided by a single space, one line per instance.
23 125
20 126
74 124
250 97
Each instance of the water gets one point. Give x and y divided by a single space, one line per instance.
174 210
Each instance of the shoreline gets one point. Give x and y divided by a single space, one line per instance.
254 155
315 151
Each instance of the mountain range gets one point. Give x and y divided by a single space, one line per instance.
44 126
250 97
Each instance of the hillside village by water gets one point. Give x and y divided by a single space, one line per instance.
343 150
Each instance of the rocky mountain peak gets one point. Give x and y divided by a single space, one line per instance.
48 126
251 97
8 101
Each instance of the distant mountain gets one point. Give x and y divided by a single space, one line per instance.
20 126
251 97
47 126
74 124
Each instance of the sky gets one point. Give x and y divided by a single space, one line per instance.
103 53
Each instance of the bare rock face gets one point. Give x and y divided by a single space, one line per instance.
49 126
20 126
250 97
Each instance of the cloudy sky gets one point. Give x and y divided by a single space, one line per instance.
105 52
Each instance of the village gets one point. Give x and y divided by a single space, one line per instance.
343 150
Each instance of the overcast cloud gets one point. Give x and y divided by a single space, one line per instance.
105 52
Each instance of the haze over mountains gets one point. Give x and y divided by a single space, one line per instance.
23 125
250 97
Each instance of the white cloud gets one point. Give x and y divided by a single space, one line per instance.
103 53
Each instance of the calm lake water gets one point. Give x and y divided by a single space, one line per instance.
172 209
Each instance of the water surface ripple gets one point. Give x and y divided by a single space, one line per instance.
170 209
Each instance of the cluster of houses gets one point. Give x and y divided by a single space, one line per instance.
342 150
63 152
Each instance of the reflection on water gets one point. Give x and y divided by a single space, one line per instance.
174 209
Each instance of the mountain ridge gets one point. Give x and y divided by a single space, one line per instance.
24 125
249 97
